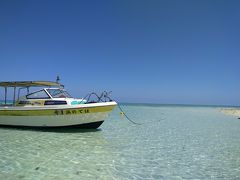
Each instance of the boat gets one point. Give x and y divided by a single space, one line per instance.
48 104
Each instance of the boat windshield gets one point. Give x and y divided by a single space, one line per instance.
38 95
59 93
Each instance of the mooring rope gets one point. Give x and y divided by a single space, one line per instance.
126 116
134 122
106 97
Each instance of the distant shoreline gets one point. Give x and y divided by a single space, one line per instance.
181 105
224 107
232 111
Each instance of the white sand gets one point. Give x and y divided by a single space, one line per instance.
232 112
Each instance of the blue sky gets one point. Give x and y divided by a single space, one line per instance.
151 51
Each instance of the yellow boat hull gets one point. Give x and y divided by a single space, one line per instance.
86 115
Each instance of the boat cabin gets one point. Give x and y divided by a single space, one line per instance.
54 94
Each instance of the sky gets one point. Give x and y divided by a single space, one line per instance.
144 51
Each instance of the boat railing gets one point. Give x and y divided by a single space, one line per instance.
95 98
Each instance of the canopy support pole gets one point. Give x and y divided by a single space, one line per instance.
5 95
14 96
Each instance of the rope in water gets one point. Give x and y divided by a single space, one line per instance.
104 97
127 116
129 119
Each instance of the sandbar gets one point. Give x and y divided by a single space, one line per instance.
231 111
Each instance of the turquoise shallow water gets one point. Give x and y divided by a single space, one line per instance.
174 142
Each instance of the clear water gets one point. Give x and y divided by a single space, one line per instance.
174 142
